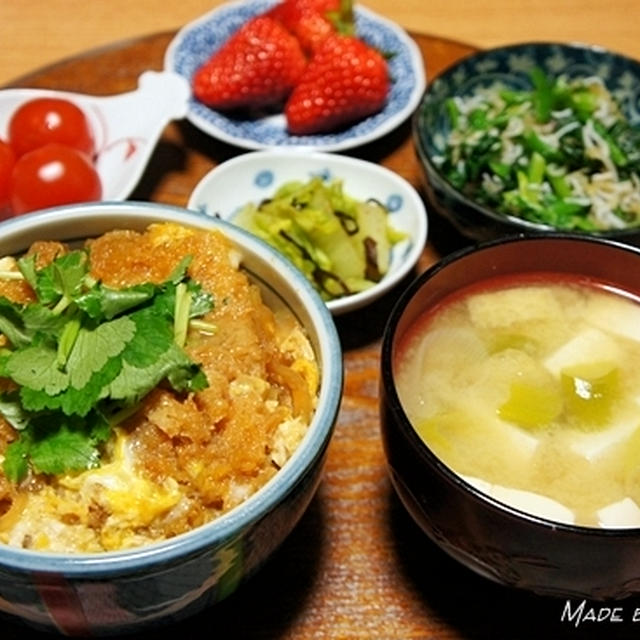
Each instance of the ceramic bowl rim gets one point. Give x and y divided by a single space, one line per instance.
208 536
422 450
518 224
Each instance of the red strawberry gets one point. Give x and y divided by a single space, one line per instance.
345 81
311 21
256 67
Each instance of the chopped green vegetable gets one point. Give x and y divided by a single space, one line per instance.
83 355
591 390
531 405
542 96
560 154
452 111
342 245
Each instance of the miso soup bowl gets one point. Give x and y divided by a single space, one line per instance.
502 543
121 592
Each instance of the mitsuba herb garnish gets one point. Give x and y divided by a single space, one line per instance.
83 356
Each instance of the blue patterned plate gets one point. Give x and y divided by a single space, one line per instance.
195 42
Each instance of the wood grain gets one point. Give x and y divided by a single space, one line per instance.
36 33
355 566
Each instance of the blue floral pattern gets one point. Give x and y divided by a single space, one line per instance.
265 182
510 66
194 44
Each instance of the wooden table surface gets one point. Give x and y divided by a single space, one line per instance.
36 33
355 566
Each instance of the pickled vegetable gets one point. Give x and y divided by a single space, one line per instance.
342 245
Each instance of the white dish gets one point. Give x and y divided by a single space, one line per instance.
126 126
196 41
254 176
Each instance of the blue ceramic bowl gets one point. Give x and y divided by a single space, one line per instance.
196 41
506 545
121 592
510 65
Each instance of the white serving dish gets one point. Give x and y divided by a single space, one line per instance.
254 176
126 126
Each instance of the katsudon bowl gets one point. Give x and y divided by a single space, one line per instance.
115 591
491 425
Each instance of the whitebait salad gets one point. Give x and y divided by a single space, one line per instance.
561 154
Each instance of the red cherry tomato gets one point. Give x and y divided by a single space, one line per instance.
52 175
7 161
43 120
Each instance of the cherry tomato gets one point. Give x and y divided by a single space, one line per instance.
7 161
52 175
43 120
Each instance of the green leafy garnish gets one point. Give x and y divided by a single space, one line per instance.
84 355
561 154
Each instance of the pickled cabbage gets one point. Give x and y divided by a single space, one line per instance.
342 245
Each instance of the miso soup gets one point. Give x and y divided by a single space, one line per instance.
529 388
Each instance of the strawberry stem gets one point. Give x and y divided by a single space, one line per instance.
343 19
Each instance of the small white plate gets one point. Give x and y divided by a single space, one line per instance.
254 176
196 41
126 126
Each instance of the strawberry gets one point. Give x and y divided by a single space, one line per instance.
311 21
256 67
345 81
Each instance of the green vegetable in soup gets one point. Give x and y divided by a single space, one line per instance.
532 405
342 245
590 391
561 154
